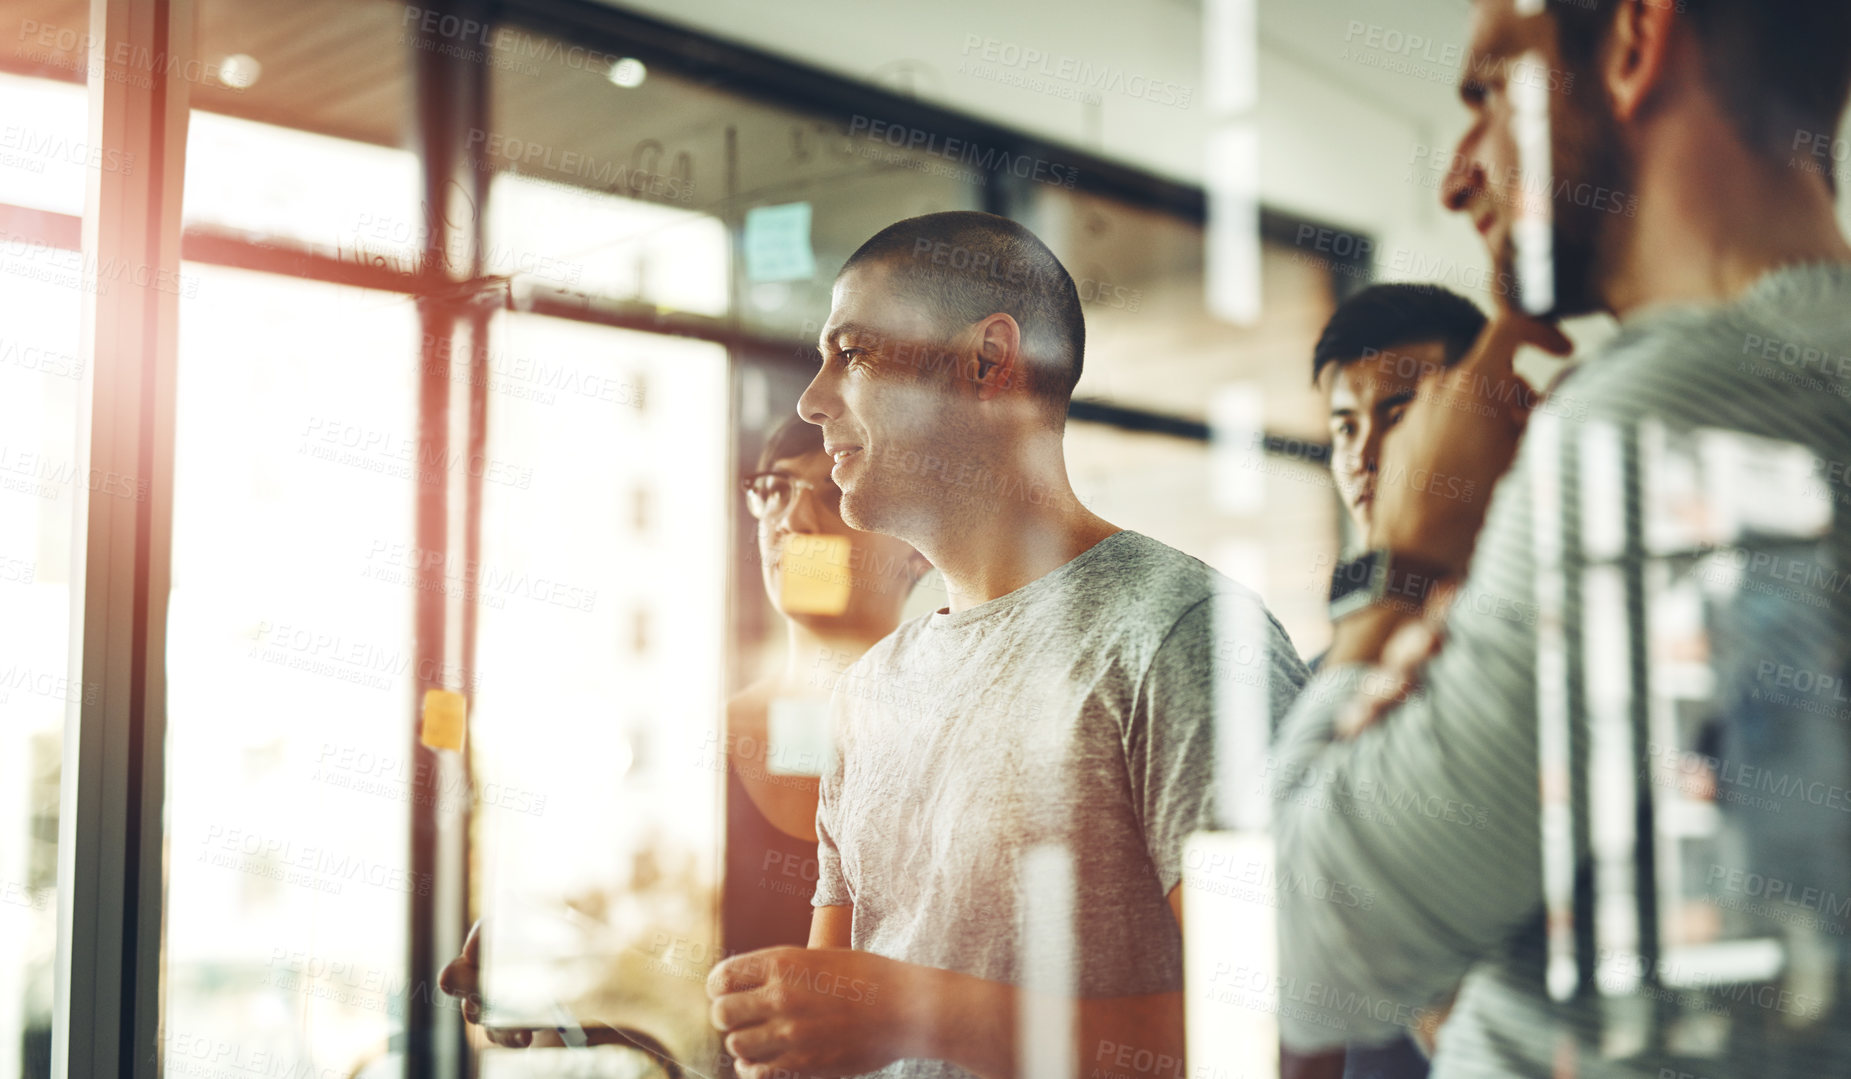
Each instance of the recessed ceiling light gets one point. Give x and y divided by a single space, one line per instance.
240 71
629 73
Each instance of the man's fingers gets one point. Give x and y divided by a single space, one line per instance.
1544 335
510 1037
763 1069
742 972
1410 647
458 977
736 1010
759 1044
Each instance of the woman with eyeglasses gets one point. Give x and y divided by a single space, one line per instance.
776 728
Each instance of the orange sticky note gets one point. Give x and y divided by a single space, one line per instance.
813 575
443 719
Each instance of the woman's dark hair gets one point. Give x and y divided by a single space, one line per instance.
792 438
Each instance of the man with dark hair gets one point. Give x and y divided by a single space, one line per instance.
1378 348
1370 360
1023 765
1714 248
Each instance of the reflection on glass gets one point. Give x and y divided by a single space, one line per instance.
41 379
45 149
599 688
1716 783
347 198
290 674
559 236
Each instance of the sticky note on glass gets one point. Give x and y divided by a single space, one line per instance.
777 243
443 719
813 575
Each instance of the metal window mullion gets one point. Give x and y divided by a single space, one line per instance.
450 99
107 1003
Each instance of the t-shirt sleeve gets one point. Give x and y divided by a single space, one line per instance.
1170 746
831 884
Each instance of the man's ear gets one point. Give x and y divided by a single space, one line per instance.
995 358
1643 36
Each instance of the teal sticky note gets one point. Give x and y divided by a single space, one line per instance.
777 243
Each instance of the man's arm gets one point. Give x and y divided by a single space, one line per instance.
830 927
1432 815
828 1011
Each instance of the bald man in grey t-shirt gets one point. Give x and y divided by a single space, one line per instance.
1077 712
1026 761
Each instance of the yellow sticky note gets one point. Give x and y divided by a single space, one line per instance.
813 575
443 719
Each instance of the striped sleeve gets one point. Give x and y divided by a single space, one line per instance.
1430 816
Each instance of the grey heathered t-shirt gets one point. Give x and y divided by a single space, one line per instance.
1076 710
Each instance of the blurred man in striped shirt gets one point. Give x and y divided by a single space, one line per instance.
1679 192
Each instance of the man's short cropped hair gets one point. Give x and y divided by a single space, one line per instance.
966 266
1781 68
1385 317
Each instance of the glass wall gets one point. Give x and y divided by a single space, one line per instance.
487 444
45 158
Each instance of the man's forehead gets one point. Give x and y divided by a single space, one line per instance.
864 298
1387 372
1502 28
